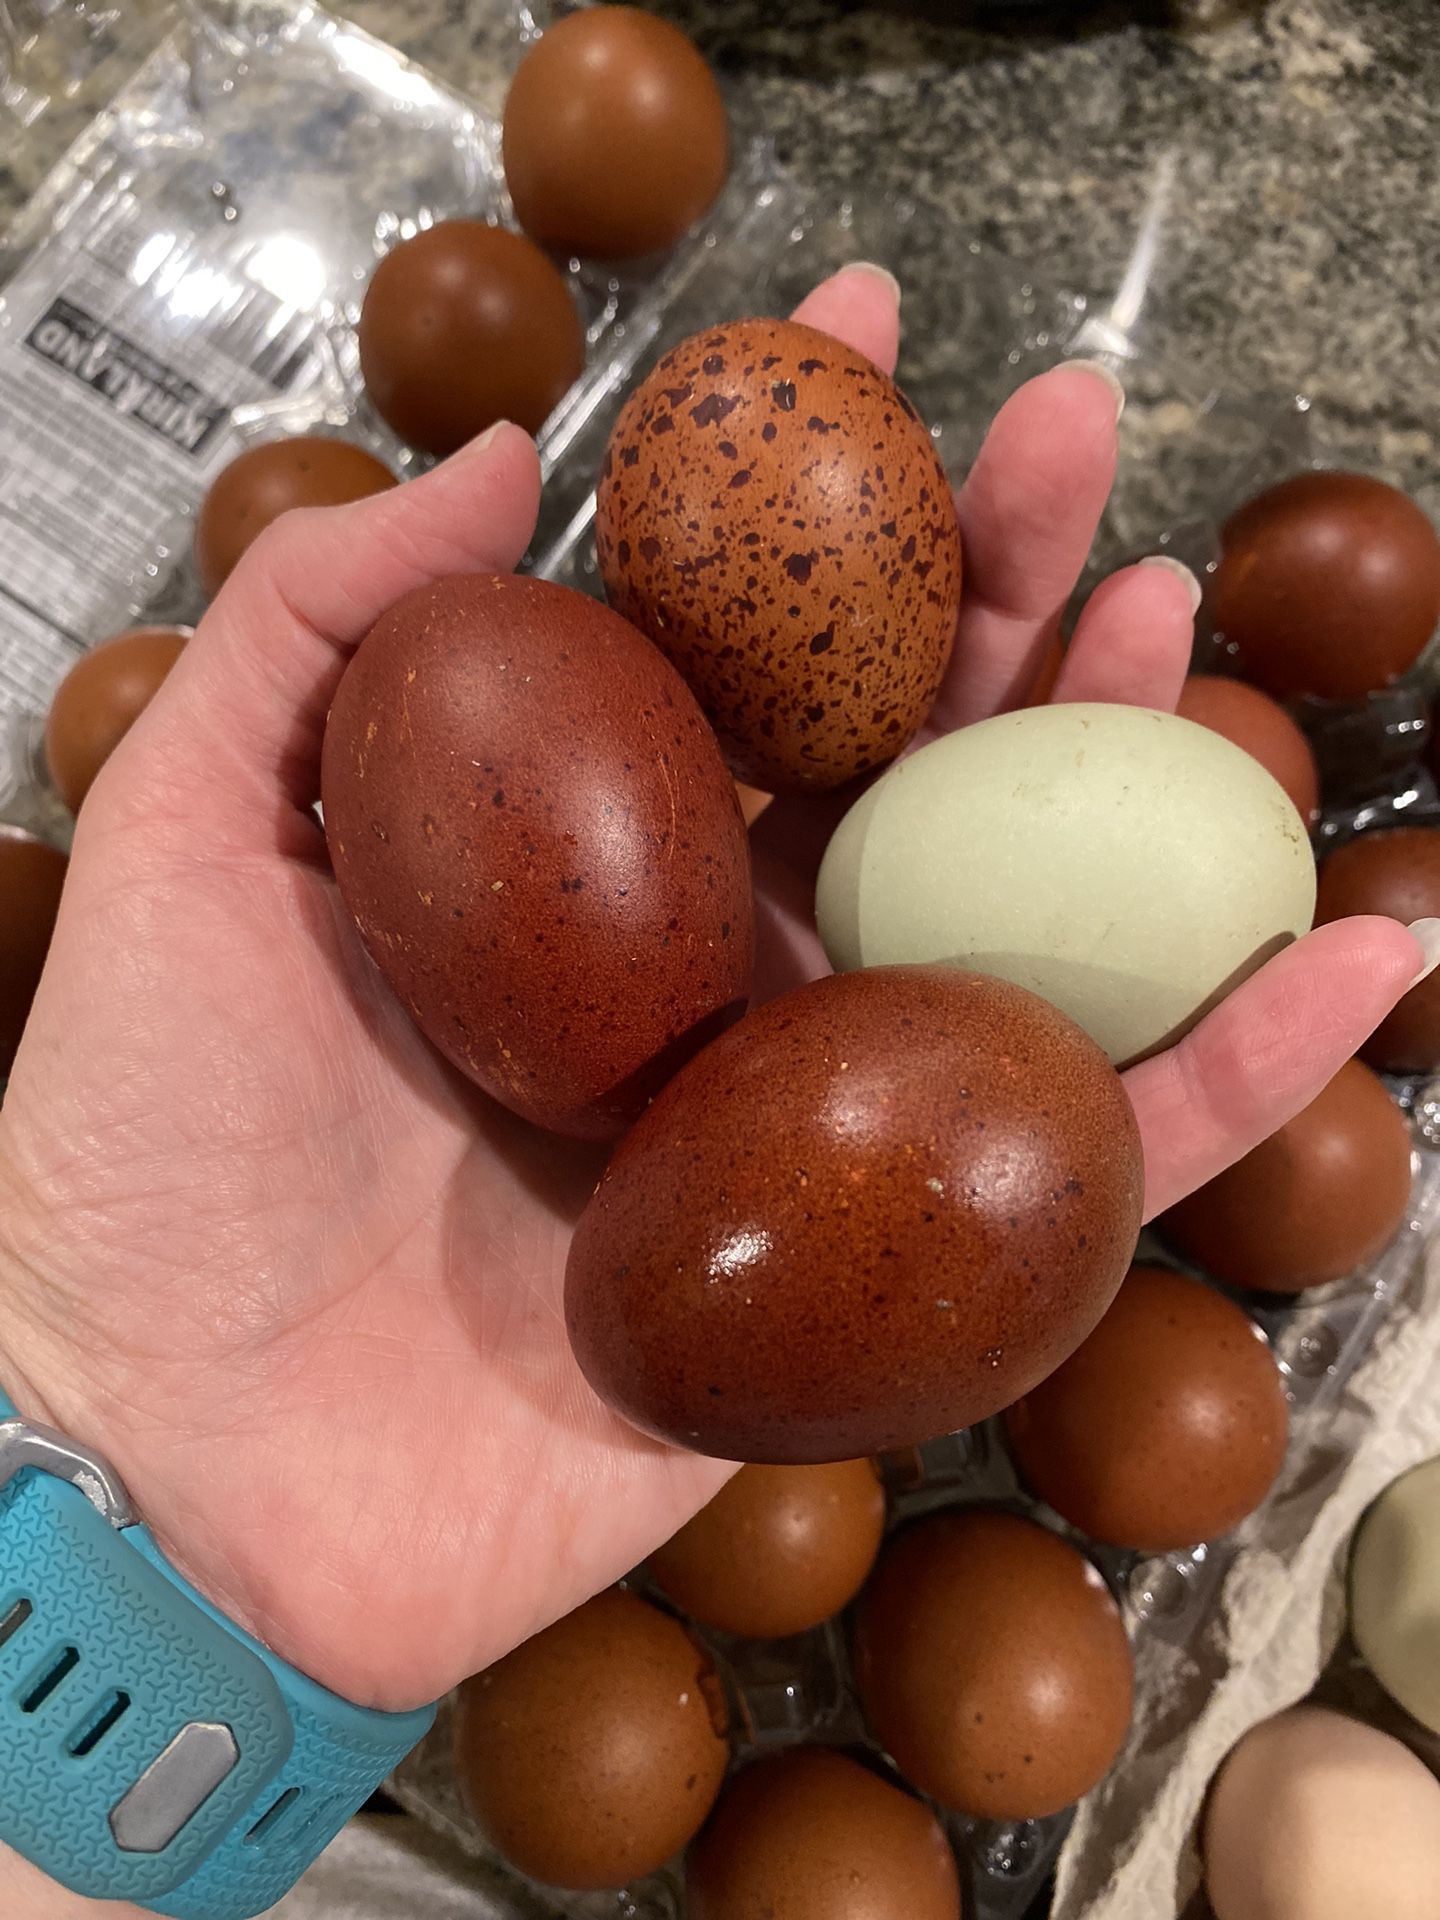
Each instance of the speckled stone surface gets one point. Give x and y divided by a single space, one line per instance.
1305 213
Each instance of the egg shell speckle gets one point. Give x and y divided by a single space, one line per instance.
774 515
878 1210
1129 866
532 825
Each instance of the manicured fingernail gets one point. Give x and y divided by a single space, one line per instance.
1426 935
880 273
1108 375
1180 571
487 438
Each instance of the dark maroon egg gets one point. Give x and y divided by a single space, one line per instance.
615 136
772 512
993 1664
1324 1195
100 699
1166 1427
532 826
465 324
1396 873
878 1210
592 1752
31 876
1328 583
812 1835
306 470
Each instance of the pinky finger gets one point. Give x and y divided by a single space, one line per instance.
1266 1051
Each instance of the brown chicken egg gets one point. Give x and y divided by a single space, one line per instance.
593 1752
773 514
1329 584
31 876
615 139
778 1549
813 1835
463 325
532 826
308 470
1321 1197
1163 1429
1396 873
878 1210
100 699
1262 727
993 1665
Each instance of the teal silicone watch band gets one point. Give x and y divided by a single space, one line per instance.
153 1751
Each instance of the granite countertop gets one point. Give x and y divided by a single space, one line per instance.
1305 211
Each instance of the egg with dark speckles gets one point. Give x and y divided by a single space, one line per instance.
31 876
773 513
879 1209
993 1665
531 823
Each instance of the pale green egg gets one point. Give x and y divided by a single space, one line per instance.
1128 866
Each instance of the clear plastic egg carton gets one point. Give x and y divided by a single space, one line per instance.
197 261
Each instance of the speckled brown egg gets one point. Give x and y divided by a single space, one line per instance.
465 324
1397 873
1321 1197
1262 727
615 139
593 1752
307 470
993 1665
772 512
778 1549
31 876
1329 584
531 823
813 1835
1163 1429
100 699
877 1210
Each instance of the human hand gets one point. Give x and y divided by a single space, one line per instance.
301 1283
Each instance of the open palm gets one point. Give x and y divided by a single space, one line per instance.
303 1284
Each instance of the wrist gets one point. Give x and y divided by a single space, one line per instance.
28 1894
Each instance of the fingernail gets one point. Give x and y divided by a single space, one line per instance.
488 436
880 273
1108 375
1180 571
1426 935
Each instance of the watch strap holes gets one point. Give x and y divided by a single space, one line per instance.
102 1719
13 1618
53 1675
269 1822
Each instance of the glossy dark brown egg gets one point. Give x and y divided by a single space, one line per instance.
993 1664
1262 727
463 325
772 512
308 470
593 1752
100 699
1318 1199
1165 1428
877 1210
1328 583
31 876
1395 873
778 1549
531 823
615 138
813 1835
